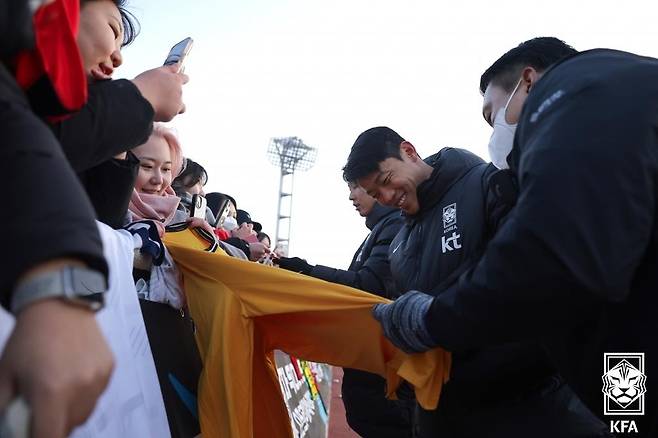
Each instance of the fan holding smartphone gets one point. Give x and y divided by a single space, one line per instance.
162 86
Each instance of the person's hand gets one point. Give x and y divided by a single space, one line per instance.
58 360
163 88
257 250
403 321
196 222
295 264
245 232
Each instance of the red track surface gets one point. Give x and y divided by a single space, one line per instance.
338 427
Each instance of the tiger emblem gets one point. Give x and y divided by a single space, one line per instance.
624 383
449 215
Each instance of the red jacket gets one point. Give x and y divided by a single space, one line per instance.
222 234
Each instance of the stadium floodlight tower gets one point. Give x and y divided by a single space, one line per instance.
290 154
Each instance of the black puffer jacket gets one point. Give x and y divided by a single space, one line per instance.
369 270
583 236
115 119
451 226
458 215
49 215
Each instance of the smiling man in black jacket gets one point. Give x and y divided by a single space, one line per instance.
509 390
368 411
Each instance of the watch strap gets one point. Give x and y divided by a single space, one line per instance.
81 285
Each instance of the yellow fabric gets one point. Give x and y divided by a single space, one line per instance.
243 311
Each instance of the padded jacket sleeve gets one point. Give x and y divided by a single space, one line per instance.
239 244
374 275
47 214
110 186
115 119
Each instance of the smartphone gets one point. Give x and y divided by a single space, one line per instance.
198 207
178 53
223 211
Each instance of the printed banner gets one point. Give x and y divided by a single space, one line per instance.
306 388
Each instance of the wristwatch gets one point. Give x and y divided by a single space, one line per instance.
73 284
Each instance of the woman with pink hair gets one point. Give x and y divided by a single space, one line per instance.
153 199
159 284
160 161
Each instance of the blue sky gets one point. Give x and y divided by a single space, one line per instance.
326 71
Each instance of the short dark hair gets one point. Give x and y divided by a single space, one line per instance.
538 53
371 148
191 174
214 200
260 236
128 20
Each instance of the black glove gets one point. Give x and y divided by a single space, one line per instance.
146 233
403 322
295 264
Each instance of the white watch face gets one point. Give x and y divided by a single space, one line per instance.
94 305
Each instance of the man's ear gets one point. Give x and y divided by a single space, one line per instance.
408 150
530 77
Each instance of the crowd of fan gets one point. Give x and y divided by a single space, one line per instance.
111 159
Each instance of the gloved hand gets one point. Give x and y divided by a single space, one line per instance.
147 239
295 264
403 321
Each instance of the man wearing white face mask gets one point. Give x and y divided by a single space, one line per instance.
506 84
574 266
230 223
502 137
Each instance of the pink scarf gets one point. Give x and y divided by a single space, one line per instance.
158 208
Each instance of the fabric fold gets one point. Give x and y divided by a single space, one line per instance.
244 311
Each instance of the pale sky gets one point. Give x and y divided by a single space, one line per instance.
326 71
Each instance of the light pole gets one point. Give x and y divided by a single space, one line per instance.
290 154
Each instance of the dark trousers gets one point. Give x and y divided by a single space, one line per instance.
178 364
369 413
551 411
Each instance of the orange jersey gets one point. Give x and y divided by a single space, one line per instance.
244 311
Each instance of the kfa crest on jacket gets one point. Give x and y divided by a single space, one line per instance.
450 242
